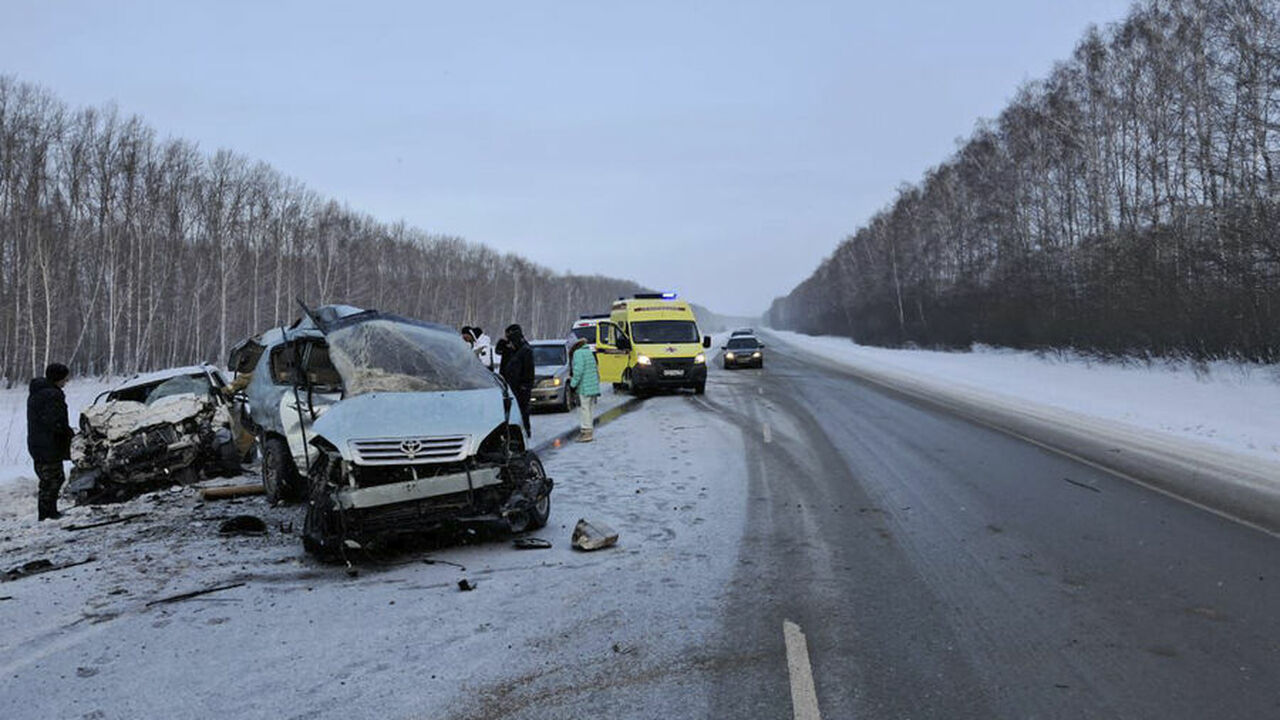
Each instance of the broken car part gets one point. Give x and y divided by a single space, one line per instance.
593 535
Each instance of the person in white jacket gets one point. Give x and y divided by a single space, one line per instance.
483 346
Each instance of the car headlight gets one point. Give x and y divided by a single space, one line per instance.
550 382
699 359
755 354
643 360
728 356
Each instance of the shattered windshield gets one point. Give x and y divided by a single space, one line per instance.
387 355
186 384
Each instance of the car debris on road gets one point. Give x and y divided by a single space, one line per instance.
593 535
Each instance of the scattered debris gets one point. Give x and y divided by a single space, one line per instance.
623 649
6 597
593 535
531 543
112 521
223 492
43 565
466 585
1086 486
286 527
194 593
433 561
243 525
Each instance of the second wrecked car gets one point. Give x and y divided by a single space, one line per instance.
387 425
153 430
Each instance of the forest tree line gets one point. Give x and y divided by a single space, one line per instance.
121 251
1127 203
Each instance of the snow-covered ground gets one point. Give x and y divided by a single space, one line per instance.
1233 406
398 639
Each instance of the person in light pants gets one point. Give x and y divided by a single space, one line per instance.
585 380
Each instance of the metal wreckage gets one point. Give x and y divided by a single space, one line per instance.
385 425
155 430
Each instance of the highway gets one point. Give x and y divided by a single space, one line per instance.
938 568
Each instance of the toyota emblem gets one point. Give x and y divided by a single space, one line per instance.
411 448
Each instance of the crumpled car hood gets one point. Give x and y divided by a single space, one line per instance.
474 413
119 419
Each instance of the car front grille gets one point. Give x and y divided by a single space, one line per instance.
410 451
674 363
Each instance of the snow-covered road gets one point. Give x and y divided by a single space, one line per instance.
793 520
399 639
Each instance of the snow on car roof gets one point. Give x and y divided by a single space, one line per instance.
160 375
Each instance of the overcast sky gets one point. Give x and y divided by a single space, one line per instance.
720 149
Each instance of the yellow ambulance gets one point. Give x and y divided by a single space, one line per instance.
651 341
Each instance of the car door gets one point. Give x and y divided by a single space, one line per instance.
315 387
613 350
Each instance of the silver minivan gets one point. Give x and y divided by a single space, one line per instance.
387 425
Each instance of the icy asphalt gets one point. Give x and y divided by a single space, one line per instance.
936 568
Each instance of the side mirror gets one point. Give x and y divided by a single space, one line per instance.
624 343
761 345
706 341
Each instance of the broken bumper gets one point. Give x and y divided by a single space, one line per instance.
416 490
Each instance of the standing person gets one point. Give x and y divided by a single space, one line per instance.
49 436
483 346
469 337
585 380
517 369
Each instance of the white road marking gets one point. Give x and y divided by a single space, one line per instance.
804 698
768 432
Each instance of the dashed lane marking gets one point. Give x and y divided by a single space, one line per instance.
767 432
804 698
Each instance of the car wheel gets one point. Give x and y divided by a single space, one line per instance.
321 528
700 388
531 479
541 510
279 476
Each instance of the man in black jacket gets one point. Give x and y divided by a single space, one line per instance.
517 369
49 435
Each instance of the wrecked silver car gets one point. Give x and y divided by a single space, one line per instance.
155 430
402 430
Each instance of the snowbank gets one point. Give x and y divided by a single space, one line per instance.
1235 407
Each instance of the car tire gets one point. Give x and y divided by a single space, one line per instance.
321 529
541 510
528 470
280 478
700 388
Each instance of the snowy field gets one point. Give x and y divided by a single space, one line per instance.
1235 407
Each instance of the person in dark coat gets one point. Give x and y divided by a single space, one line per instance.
517 369
49 435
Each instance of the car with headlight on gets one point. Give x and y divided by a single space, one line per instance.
651 342
743 351
551 376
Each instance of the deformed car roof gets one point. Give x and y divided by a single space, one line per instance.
159 375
